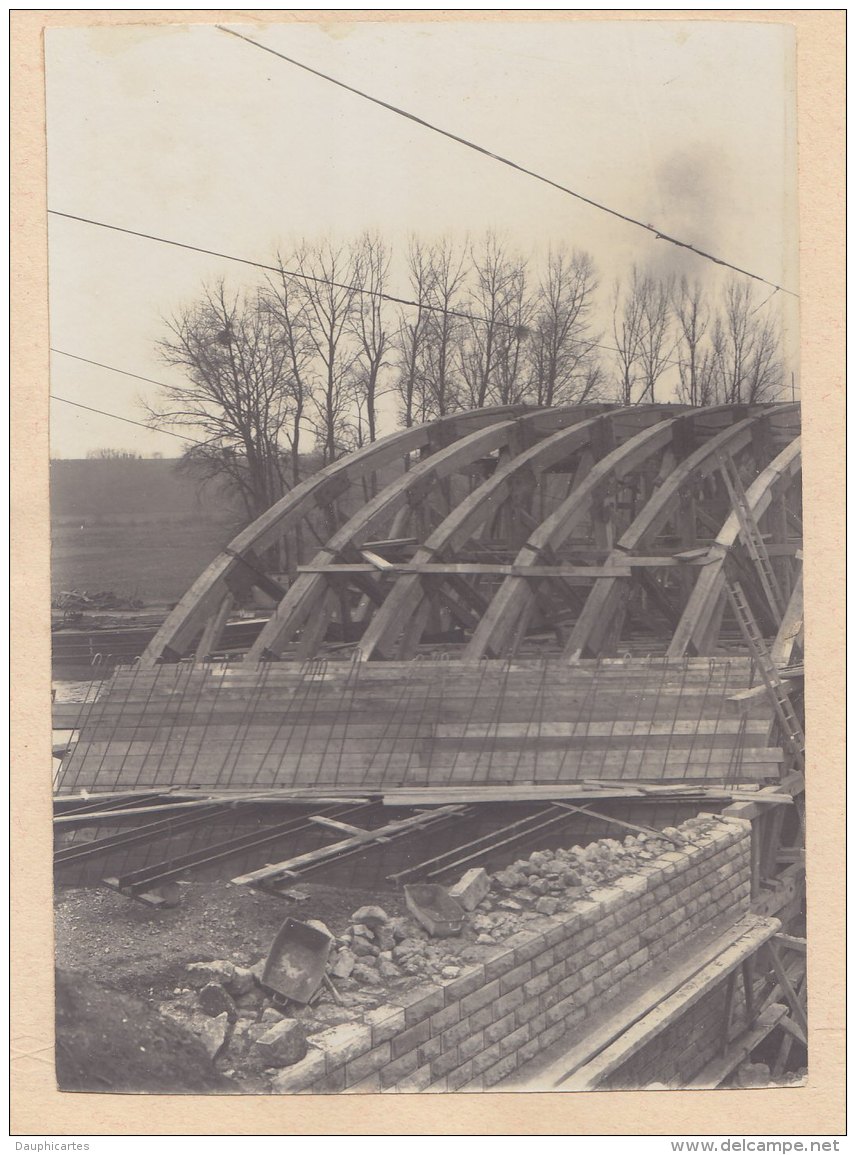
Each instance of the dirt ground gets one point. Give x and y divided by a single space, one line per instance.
120 963
144 951
112 1042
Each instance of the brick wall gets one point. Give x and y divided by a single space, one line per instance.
472 1032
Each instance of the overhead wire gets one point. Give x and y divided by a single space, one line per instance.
128 420
112 368
657 233
282 271
150 380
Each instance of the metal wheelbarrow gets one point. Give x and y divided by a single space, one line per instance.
297 961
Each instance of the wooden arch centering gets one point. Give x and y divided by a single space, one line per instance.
668 452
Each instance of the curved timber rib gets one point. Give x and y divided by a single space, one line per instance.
311 590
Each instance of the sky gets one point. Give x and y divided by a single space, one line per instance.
191 134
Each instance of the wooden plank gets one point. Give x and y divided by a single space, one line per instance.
794 1030
618 729
445 569
266 873
598 703
437 796
747 938
342 827
132 812
742 698
376 562
429 796
791 942
784 791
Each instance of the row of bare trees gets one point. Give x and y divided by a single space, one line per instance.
725 351
300 363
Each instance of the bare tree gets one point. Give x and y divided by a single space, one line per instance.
640 325
237 393
446 276
328 290
748 366
370 265
563 351
695 353
627 325
513 352
288 305
655 348
497 294
412 335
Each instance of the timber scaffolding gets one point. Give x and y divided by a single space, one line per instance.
461 625
511 605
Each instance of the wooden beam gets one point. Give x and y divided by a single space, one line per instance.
376 562
743 699
635 826
208 800
341 827
312 857
214 627
797 1009
794 1030
791 942
446 569
790 631
703 600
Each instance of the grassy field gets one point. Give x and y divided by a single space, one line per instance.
143 529
154 561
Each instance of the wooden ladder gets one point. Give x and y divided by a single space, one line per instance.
752 538
792 730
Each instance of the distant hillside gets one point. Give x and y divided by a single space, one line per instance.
145 529
127 488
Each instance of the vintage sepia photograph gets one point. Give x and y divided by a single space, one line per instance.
426 513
